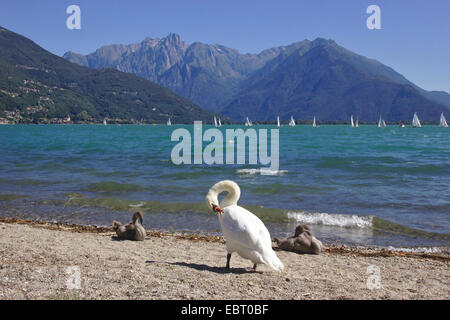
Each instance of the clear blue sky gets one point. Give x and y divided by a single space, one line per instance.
414 39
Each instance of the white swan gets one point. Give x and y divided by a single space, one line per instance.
244 232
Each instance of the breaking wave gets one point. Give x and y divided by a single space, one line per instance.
328 219
262 171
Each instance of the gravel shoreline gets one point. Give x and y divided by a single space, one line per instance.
40 260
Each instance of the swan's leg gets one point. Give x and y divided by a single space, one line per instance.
228 260
254 267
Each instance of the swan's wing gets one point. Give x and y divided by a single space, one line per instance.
241 226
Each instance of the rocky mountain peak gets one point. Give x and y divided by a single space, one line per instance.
218 77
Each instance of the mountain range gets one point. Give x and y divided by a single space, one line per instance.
305 79
37 86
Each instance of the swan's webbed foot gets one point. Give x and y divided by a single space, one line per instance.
228 261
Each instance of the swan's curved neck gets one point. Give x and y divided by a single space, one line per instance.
232 197
136 216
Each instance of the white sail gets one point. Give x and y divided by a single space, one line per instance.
357 122
443 122
292 122
351 121
416 121
381 123
278 121
104 121
248 123
314 122
220 123
169 123
215 121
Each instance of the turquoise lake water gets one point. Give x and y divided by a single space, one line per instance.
364 186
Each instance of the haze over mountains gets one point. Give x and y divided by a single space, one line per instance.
40 87
305 79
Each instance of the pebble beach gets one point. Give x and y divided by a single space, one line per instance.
39 260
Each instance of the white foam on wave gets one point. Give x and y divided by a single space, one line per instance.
140 204
328 219
416 250
262 171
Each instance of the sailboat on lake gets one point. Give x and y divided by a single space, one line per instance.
278 121
248 123
169 123
381 123
357 122
104 122
215 122
442 121
292 122
415 121
314 122
351 121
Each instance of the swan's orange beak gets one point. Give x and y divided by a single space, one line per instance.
217 209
